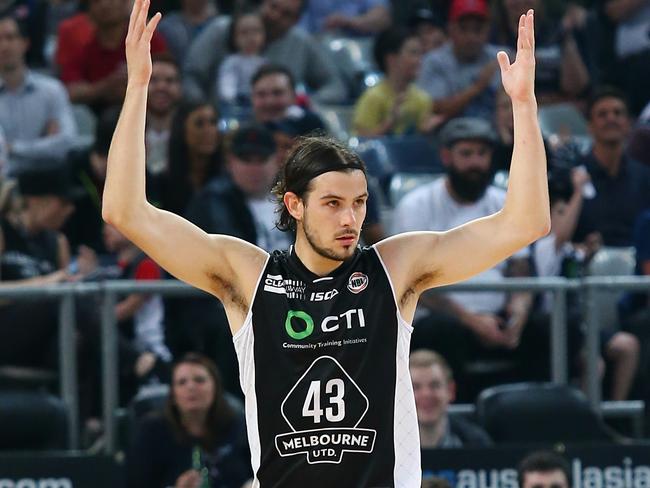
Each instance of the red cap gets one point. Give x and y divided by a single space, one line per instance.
461 8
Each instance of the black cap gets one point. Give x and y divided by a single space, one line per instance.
253 140
425 16
467 128
47 179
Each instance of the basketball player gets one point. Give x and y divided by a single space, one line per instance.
322 330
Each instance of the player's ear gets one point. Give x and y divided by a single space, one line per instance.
294 205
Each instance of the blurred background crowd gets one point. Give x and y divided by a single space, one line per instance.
415 88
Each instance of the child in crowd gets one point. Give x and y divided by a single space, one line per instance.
246 41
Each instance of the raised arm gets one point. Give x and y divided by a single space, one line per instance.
224 266
417 261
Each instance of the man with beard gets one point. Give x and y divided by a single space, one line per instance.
461 324
322 330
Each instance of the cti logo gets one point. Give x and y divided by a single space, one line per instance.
330 323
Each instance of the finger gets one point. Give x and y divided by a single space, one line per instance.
134 14
151 26
521 31
141 21
504 62
531 28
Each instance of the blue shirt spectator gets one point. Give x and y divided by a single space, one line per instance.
356 17
35 112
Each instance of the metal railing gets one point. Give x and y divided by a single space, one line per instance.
109 291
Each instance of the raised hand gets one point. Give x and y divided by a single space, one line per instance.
518 78
138 43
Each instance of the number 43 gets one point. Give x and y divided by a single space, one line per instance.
312 406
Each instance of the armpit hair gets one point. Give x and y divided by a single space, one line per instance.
414 286
228 292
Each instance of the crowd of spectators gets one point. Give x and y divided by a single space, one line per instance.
233 85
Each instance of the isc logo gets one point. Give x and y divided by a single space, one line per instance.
322 296
299 324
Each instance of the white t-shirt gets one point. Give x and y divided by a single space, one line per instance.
269 237
431 207
548 262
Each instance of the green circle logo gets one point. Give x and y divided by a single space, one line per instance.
305 317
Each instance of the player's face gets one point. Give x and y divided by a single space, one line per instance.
545 479
433 393
334 210
193 388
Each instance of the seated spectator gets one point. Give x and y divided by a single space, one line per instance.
199 440
395 106
84 226
544 469
287 45
179 28
429 26
240 204
245 42
162 101
35 113
625 48
73 35
620 349
463 76
462 325
33 253
346 17
140 317
33 15
97 77
435 389
274 100
561 70
194 156
622 184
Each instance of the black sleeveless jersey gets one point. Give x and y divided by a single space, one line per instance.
324 367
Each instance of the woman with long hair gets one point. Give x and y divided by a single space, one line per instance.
200 438
194 155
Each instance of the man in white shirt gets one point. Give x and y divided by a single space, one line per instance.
460 324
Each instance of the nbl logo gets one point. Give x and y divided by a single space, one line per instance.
357 282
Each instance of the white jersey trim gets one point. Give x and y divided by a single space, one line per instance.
407 472
244 342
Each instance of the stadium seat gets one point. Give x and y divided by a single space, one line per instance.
338 119
32 420
539 413
562 119
413 154
611 261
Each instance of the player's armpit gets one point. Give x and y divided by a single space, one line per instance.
417 261
224 266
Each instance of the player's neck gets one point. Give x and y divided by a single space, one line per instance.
314 262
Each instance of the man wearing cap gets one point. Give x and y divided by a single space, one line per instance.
490 319
239 204
462 76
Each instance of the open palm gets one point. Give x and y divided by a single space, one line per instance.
138 42
518 78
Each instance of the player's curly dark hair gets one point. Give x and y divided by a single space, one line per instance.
310 157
